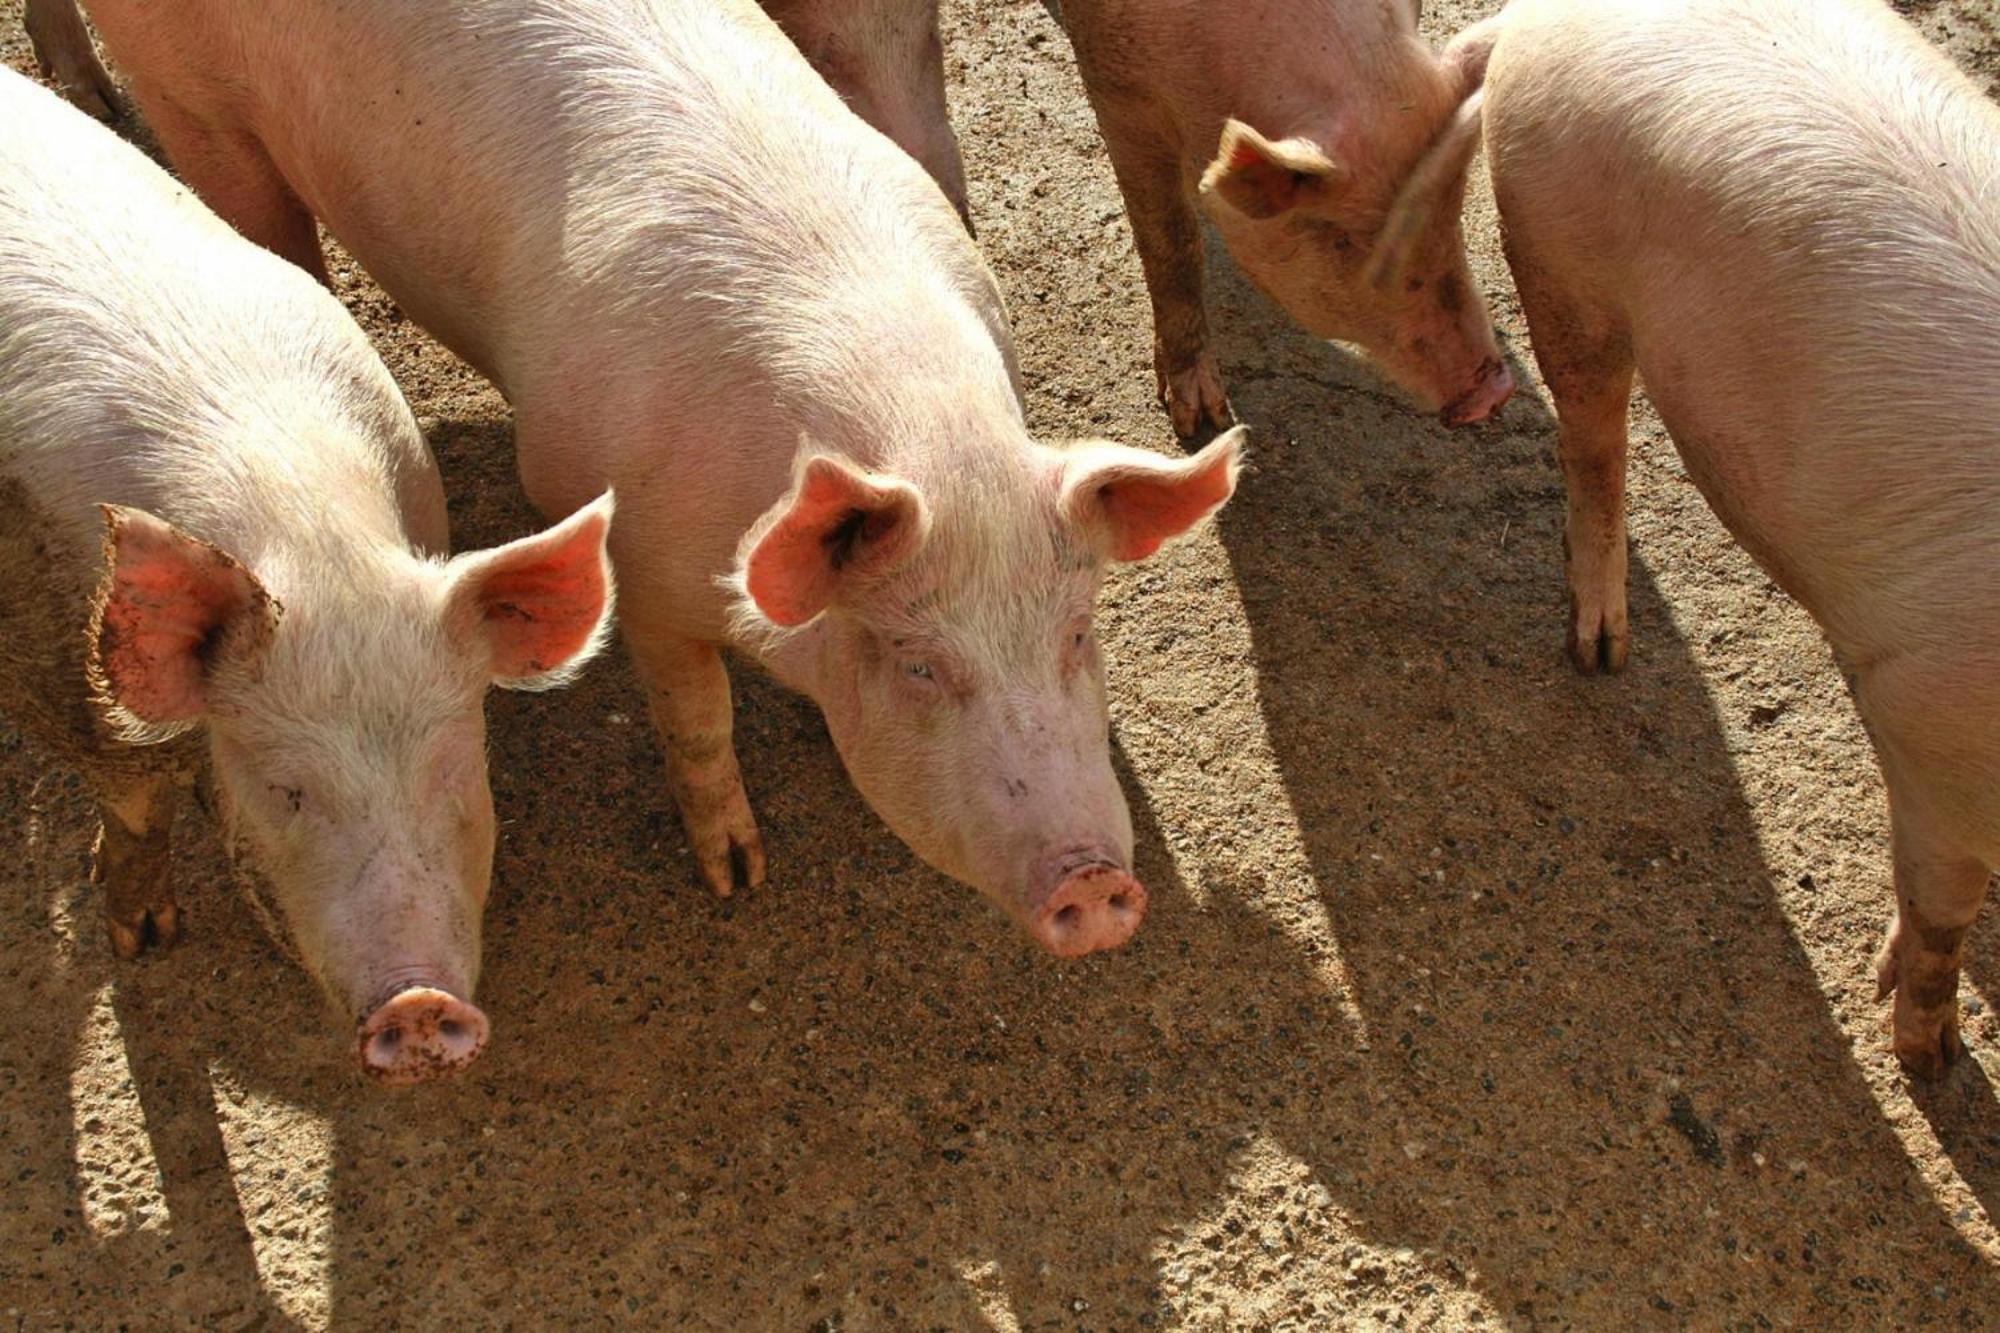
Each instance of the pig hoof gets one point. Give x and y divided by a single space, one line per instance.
734 860
1596 644
154 927
1930 1054
1194 394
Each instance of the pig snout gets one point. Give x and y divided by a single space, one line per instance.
1492 386
1093 905
420 1034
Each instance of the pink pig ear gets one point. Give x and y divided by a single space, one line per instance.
543 603
1261 179
1136 502
171 610
839 523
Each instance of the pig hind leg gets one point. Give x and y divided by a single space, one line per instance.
688 689
130 863
1939 887
1585 354
1168 237
233 174
64 51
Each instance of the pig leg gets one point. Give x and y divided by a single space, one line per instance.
1168 236
1586 359
233 174
136 818
688 688
1939 887
64 51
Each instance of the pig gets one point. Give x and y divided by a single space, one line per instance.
1784 216
702 281
1329 146
884 57
65 54
225 539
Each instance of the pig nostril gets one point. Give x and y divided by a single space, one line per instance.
389 1038
450 1028
1067 916
1118 902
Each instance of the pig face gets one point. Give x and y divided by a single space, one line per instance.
1373 255
946 633
348 738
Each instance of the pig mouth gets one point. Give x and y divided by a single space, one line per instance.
1492 386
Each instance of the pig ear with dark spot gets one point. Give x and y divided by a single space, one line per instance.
1261 179
1134 502
838 524
541 605
171 612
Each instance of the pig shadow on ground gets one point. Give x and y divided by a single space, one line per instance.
120 1201
1575 980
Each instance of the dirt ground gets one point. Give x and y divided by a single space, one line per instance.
1474 993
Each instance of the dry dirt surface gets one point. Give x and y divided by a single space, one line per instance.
1474 993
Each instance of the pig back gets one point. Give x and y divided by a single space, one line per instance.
1796 218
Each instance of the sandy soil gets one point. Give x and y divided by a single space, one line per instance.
1474 993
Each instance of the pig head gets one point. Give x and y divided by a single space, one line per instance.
944 625
347 733
1352 224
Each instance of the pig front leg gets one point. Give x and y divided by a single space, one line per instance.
130 862
64 51
688 690
1939 888
234 176
1586 359
1168 236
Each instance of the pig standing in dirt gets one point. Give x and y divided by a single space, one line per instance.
885 58
699 278
1785 215
216 512
1328 145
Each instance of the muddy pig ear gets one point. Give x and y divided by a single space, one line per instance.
838 524
1435 185
171 612
540 605
1261 179
1133 502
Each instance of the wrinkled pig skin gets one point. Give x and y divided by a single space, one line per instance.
1811 294
223 532
1329 146
702 280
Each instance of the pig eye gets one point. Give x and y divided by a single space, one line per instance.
919 671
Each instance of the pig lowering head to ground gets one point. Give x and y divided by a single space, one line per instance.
1329 146
223 533
701 280
1785 216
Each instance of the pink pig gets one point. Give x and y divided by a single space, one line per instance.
699 278
885 58
222 532
1784 215
1329 147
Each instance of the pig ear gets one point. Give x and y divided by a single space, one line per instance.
542 605
1261 179
1433 186
1135 502
839 523
170 611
